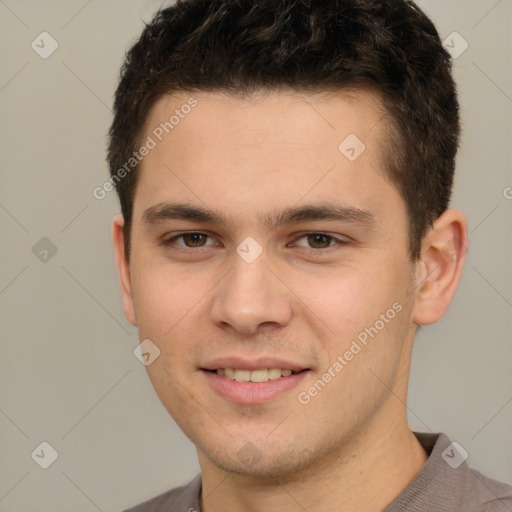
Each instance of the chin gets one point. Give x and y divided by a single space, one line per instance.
253 460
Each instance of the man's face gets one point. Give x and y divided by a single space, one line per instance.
294 256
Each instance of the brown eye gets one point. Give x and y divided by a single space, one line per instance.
319 240
194 239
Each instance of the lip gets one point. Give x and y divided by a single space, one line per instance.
259 363
252 393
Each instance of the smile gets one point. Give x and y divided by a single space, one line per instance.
259 375
252 387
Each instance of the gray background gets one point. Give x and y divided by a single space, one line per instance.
68 375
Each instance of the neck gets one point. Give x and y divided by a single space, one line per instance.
384 461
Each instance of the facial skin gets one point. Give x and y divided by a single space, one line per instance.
303 300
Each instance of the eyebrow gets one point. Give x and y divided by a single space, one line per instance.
294 215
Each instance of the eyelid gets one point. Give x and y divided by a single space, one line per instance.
336 238
339 240
167 240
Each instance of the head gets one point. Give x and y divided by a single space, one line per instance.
287 204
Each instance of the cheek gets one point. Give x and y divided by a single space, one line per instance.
368 315
168 304
346 302
165 296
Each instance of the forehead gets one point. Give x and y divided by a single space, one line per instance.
277 116
250 152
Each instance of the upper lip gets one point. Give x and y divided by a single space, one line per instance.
259 363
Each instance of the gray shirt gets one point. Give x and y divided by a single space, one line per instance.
445 484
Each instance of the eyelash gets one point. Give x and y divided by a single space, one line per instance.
337 241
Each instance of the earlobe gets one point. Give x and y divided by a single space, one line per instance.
440 268
123 269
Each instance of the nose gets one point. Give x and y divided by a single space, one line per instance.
250 296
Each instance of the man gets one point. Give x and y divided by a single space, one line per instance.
284 169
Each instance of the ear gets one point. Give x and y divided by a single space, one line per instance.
123 269
440 267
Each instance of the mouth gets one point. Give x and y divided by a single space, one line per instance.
258 375
255 386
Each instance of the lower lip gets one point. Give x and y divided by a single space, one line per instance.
253 393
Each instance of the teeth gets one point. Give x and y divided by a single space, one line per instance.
259 375
274 373
229 373
243 375
253 376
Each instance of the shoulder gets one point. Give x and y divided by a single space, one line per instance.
446 483
471 490
182 499
485 494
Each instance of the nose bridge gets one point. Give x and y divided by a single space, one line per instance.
250 295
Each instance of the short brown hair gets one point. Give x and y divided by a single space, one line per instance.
241 46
